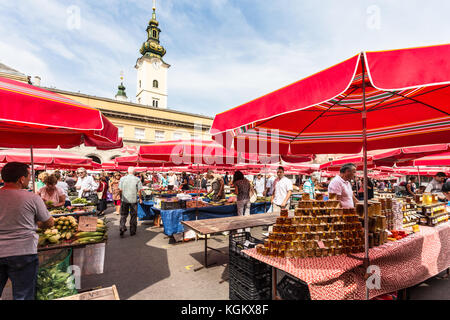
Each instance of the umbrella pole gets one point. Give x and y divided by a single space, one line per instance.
418 174
366 202
32 169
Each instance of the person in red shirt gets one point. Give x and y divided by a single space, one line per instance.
102 191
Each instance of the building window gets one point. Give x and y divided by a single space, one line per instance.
155 83
195 137
155 34
120 131
139 134
155 103
139 100
177 136
159 135
140 83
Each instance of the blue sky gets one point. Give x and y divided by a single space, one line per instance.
223 52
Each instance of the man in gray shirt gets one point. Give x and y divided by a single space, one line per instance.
130 188
21 213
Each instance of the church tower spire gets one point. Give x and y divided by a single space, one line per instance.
152 46
151 69
121 94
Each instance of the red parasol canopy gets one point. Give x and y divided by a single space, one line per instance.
406 100
405 156
31 116
356 159
441 159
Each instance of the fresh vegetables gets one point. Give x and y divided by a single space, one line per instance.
63 229
52 283
92 237
80 201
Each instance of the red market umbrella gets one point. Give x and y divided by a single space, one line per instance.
441 159
374 100
31 116
357 160
189 152
405 156
49 158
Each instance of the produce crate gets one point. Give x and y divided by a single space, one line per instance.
259 281
241 291
248 264
293 289
238 242
170 205
242 261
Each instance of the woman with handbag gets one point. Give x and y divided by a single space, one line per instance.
86 186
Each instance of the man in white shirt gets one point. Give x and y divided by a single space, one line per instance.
172 180
435 185
259 185
85 184
282 191
342 187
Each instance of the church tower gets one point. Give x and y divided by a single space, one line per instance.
151 69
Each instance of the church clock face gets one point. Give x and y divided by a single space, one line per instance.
156 65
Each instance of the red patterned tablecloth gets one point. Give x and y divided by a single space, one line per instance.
402 263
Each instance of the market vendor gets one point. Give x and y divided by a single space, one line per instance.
21 213
217 185
342 187
435 185
52 194
411 187
282 191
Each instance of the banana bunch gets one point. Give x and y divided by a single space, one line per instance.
63 229
93 237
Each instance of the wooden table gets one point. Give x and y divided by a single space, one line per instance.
210 226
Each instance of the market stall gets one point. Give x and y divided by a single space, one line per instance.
372 101
172 218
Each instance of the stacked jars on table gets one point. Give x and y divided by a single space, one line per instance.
318 229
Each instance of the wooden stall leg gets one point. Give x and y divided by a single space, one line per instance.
274 284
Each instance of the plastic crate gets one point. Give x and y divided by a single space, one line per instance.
245 292
170 205
259 281
293 289
248 264
238 241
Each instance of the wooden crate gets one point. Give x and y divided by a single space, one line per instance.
100 294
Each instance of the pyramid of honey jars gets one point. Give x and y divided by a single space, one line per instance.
318 228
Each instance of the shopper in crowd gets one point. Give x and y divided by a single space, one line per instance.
52 195
130 189
102 191
184 181
71 181
282 191
21 213
172 181
242 190
64 186
269 185
361 189
217 186
259 185
204 182
309 187
114 190
411 187
435 185
85 185
341 186
40 181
